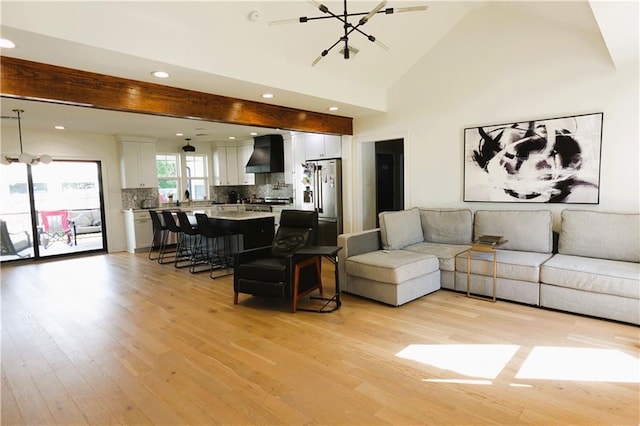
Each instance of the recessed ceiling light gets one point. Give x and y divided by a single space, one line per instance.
179 134
267 95
333 108
58 127
254 134
232 137
6 43
160 74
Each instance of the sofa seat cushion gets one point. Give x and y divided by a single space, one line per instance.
391 266
593 275
446 253
88 229
514 265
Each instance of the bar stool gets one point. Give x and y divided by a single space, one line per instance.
190 240
160 235
179 255
214 245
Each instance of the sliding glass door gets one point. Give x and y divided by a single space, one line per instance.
16 224
58 206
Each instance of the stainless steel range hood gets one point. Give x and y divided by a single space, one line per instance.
268 155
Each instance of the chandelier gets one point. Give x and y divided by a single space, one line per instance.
349 27
188 147
24 157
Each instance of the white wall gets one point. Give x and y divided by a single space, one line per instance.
80 146
498 67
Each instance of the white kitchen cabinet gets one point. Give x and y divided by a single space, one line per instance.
244 153
289 168
139 230
332 146
138 165
320 146
229 165
298 156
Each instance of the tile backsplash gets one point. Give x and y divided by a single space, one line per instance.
272 185
132 198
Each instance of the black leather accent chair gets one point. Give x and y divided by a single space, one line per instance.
276 270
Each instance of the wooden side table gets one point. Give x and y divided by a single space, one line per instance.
483 248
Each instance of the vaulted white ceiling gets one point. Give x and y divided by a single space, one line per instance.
216 46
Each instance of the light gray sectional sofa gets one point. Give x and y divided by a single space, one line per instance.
597 269
417 251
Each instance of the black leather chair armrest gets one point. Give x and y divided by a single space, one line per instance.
244 256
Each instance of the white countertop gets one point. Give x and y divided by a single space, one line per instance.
232 215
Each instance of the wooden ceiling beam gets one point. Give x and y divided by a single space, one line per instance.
29 80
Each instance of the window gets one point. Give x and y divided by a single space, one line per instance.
168 167
174 179
197 180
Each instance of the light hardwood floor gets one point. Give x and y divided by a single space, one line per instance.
119 339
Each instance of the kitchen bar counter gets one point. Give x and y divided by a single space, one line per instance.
256 229
232 215
210 207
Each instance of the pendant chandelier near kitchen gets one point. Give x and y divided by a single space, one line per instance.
24 157
188 147
349 28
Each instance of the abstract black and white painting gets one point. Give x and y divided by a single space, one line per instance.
553 160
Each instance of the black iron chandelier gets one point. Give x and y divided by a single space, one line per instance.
349 28
188 147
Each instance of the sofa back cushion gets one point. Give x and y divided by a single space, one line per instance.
400 229
525 230
447 226
614 236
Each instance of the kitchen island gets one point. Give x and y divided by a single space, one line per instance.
256 229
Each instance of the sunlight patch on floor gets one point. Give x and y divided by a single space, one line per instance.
580 364
482 361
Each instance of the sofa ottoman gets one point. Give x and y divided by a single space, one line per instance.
394 277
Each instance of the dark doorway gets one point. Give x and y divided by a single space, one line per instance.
389 176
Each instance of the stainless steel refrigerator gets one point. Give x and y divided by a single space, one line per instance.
321 190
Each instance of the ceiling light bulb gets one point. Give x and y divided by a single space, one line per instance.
160 74
6 43
232 137
25 158
179 134
58 127
333 108
267 95
254 134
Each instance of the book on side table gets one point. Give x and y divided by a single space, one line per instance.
490 240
